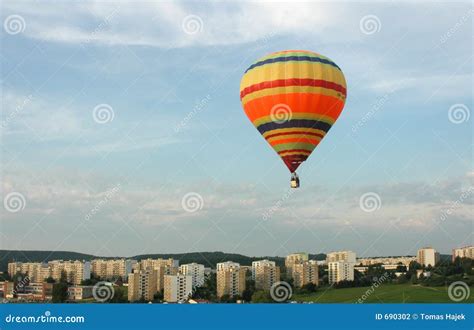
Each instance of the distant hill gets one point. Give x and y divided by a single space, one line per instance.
209 259
7 256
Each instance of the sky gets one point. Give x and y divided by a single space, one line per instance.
123 133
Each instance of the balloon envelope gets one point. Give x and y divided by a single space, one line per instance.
293 97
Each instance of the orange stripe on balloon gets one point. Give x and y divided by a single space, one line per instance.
297 102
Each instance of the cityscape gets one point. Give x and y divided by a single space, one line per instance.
161 280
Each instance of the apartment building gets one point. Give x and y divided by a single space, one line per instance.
110 269
404 260
463 252
178 288
230 279
142 284
74 270
293 259
305 272
162 266
79 292
427 256
36 271
340 271
341 266
154 263
34 291
347 256
265 273
196 271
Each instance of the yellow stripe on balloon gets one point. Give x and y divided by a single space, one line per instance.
293 69
294 129
293 136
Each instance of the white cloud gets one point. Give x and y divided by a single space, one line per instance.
161 24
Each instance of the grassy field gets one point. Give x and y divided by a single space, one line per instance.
388 293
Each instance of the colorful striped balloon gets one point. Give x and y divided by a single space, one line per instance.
293 97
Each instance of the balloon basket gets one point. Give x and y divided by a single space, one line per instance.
295 180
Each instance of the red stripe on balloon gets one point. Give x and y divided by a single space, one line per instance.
293 82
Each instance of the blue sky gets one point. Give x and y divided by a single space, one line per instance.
170 74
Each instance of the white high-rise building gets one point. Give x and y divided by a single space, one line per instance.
196 271
427 256
341 266
340 271
178 288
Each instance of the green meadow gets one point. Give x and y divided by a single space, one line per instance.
387 293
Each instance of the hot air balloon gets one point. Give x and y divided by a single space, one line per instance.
293 97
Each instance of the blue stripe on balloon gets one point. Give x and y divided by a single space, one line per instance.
292 58
295 123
